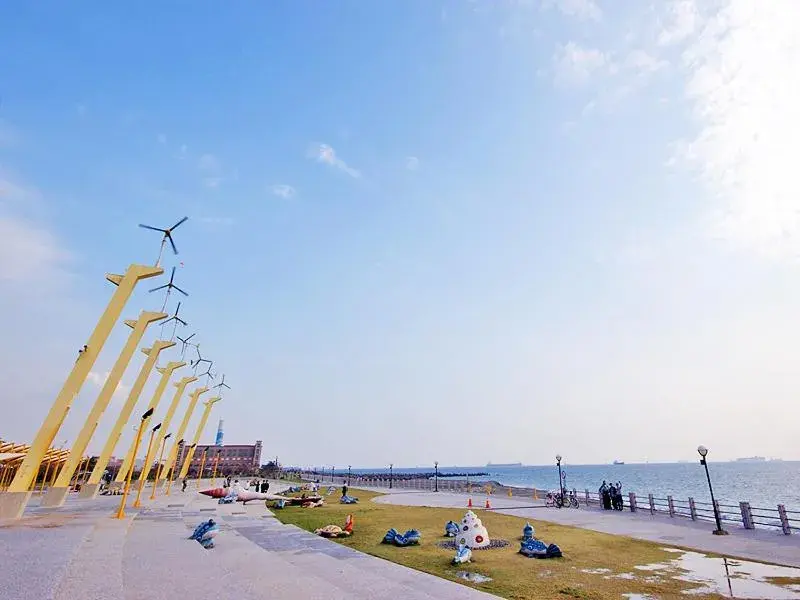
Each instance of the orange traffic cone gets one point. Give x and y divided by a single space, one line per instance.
469 503
487 503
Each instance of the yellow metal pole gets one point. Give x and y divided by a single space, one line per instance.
202 466
121 511
13 502
170 473
46 473
158 469
180 387
162 384
200 426
58 493
133 397
148 458
216 464
187 458
166 373
173 453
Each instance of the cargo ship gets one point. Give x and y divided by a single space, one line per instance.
503 465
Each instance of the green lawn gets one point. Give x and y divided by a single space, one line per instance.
514 576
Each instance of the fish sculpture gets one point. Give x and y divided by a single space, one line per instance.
205 533
534 548
451 529
463 555
409 538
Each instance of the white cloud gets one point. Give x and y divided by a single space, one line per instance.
216 220
575 65
581 9
283 190
744 85
212 182
161 138
207 162
326 154
28 252
683 20
412 163
99 379
644 63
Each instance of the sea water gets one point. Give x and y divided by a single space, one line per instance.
762 484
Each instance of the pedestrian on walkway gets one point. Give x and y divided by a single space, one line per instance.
183 487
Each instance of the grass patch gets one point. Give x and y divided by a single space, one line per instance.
513 575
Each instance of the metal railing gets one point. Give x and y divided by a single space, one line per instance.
742 514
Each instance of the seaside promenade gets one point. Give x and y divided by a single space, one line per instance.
80 552
766 545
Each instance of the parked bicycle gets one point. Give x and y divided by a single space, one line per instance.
559 499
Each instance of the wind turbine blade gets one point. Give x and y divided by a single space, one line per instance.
172 243
172 276
191 336
177 310
183 220
161 287
181 291
143 226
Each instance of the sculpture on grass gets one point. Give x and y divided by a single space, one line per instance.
473 534
334 531
451 529
409 538
463 555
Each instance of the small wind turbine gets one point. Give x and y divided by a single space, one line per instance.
200 359
176 319
167 236
221 385
169 286
184 343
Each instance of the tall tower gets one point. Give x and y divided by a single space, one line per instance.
220 434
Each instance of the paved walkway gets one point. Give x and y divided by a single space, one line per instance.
759 544
78 551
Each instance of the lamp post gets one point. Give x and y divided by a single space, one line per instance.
348 475
391 466
148 458
160 458
703 451
436 476
560 480
202 466
333 471
216 464
121 511
170 468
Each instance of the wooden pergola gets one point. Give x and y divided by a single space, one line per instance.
12 455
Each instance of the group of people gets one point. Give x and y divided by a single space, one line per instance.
611 495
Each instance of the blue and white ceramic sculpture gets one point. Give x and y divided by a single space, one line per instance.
534 548
205 533
527 532
409 538
451 529
463 555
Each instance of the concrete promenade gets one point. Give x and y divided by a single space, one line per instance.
78 552
759 544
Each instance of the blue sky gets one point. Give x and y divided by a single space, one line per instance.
459 231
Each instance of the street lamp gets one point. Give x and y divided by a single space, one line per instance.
436 476
333 470
560 480
703 451
348 474
391 466
121 511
